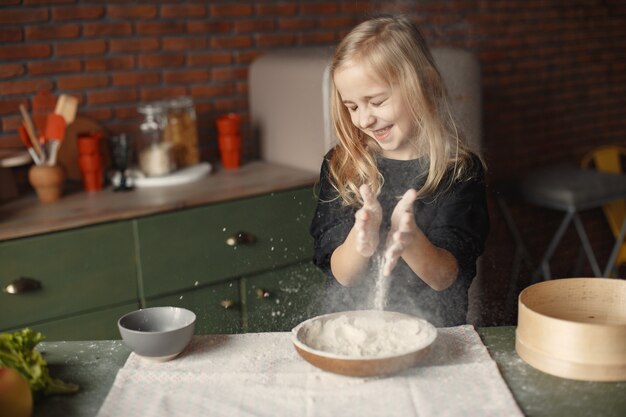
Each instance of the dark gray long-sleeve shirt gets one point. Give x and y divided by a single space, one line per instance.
456 219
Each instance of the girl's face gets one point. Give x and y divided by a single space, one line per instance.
376 109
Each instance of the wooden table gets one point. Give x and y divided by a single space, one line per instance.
94 364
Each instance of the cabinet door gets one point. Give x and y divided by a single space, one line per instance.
278 300
186 248
98 325
78 270
217 307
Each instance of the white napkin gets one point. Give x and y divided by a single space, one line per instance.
260 374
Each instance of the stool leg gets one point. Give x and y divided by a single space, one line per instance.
616 247
544 268
587 246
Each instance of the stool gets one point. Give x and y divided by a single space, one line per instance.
573 190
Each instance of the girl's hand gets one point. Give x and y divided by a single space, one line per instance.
367 223
402 232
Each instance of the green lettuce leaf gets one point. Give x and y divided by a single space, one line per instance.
17 351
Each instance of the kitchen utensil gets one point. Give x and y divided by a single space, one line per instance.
55 133
363 365
47 180
66 107
30 130
574 328
121 152
43 104
27 143
157 333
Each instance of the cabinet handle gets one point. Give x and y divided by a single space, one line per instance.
262 294
22 285
227 304
241 238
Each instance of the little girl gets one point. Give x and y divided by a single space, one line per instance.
402 198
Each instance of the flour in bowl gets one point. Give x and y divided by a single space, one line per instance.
369 336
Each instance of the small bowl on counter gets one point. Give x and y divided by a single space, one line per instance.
157 333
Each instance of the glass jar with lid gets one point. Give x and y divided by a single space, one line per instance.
154 154
181 130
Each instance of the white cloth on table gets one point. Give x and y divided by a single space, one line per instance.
261 374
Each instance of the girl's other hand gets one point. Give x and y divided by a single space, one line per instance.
367 223
402 232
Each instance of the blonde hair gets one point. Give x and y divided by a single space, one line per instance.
394 49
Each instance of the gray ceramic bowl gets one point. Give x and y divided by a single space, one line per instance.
157 333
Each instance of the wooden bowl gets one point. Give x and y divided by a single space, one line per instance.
363 365
574 328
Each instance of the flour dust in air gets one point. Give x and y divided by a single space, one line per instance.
382 284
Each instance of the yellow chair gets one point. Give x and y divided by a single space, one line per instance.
609 159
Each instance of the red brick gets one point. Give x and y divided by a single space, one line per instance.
162 93
53 67
21 52
209 27
10 106
47 32
212 90
277 39
23 87
337 22
93 47
160 28
248 56
77 12
318 8
226 74
77 82
254 25
107 29
99 114
134 45
210 58
111 63
132 12
230 104
136 78
21 16
161 61
231 10
183 10
11 70
297 23
186 76
112 96
184 44
10 34
316 38
231 42
356 7
126 112
47 2
280 9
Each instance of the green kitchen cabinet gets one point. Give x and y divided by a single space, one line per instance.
278 300
73 272
217 307
214 243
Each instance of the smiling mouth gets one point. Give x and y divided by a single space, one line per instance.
381 134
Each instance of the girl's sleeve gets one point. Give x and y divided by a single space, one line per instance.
462 222
331 222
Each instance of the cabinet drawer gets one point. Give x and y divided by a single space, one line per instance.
213 315
98 325
277 301
187 248
79 270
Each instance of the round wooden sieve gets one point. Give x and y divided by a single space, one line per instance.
574 328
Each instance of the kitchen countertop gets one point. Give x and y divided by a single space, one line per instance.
26 216
94 364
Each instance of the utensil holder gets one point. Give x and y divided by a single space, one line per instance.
90 162
229 140
48 181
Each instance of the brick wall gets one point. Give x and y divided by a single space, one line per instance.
554 75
